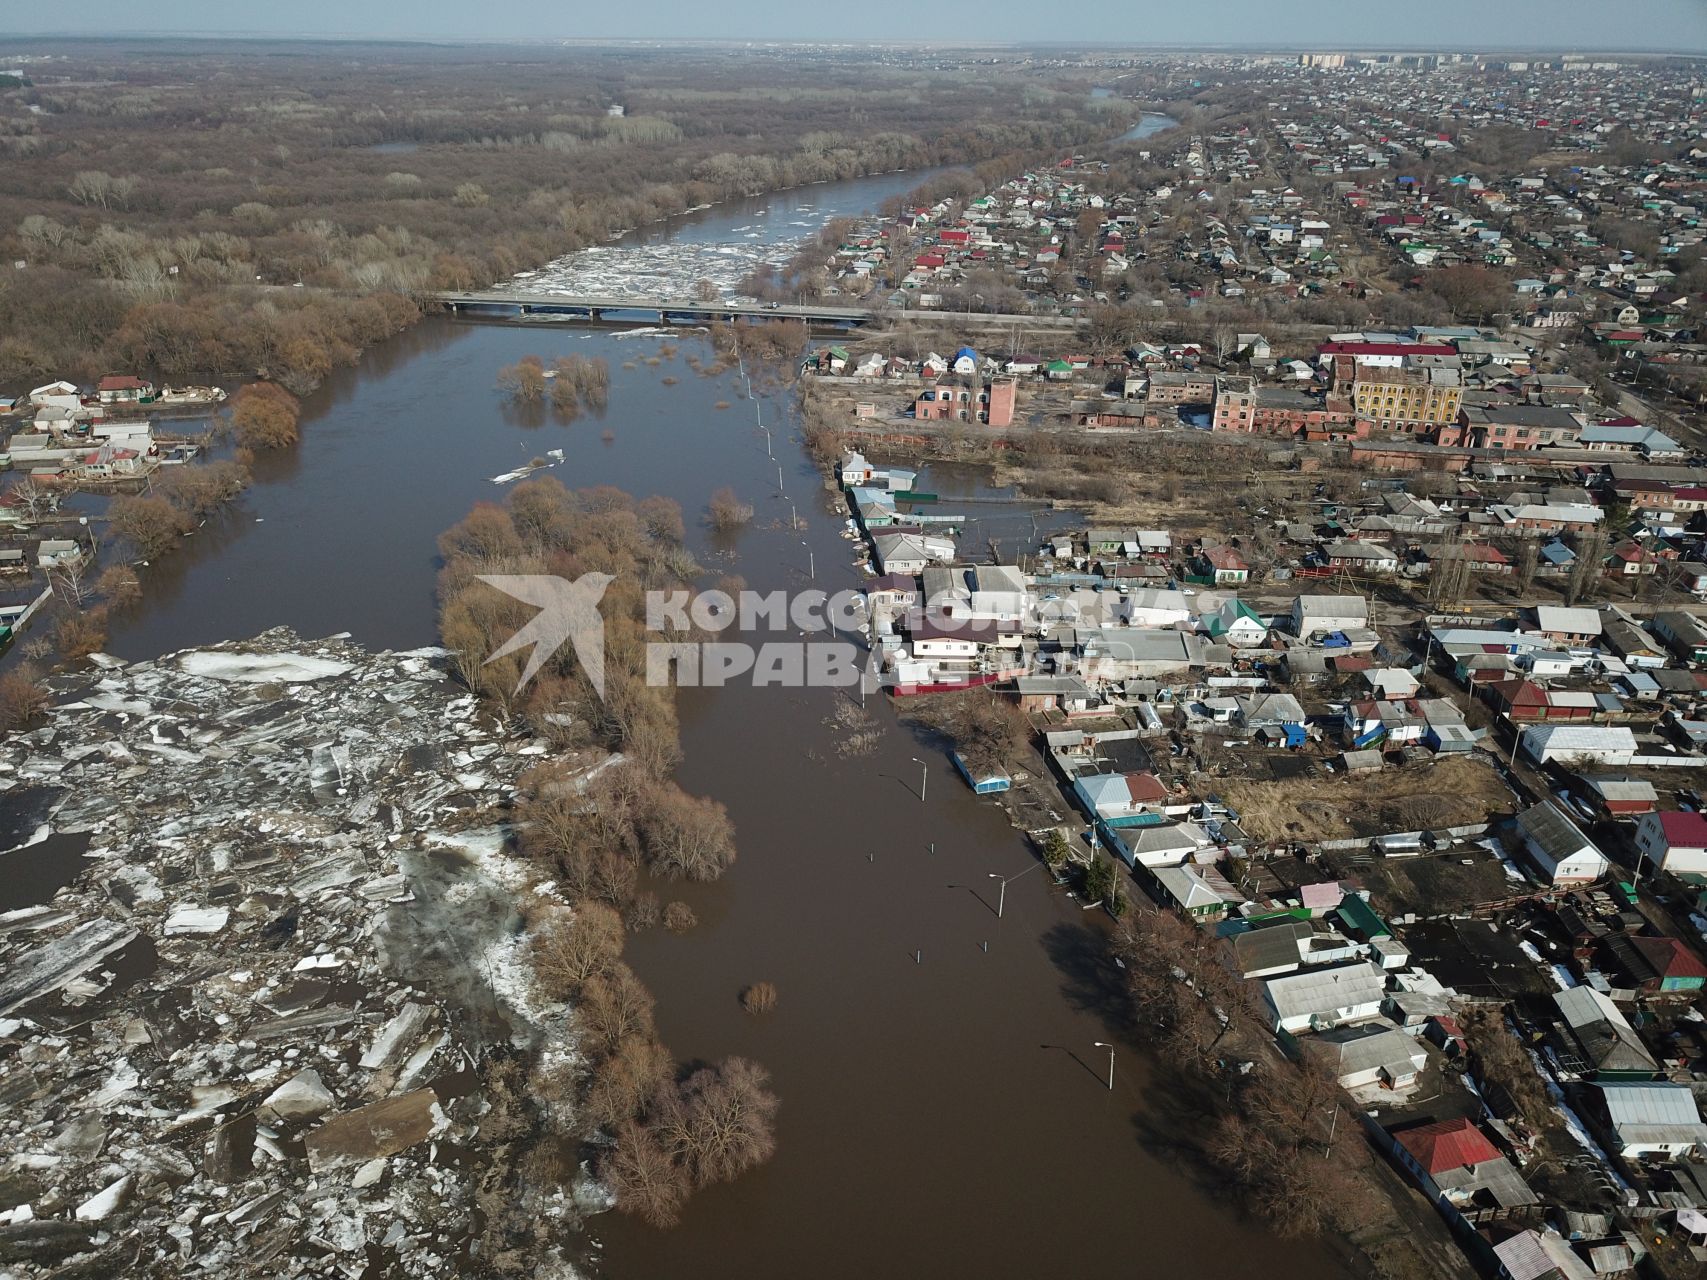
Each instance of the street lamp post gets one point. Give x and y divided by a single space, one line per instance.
1001 897
1103 1044
924 777
811 561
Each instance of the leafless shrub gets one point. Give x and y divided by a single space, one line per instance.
679 917
22 698
728 512
759 998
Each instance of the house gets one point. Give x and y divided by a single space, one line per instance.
1160 846
123 388
1622 797
1153 607
1235 623
1360 557
1276 715
1596 744
983 781
1683 633
1456 1166
1376 1055
59 395
1674 842
1569 626
1194 891
1540 1255
1123 799
1323 998
893 591
1556 846
1525 702
1653 1117
1631 643
52 553
1068 693
1655 966
1270 949
1221 566
1314 615
900 553
1373 720
1598 1038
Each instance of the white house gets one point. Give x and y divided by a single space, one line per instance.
1653 1117
900 553
1318 614
998 591
1674 842
1153 608
1558 848
1321 999
1600 744
1572 625
57 395
1234 623
1121 797
1376 1055
1166 846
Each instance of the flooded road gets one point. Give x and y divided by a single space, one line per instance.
944 1109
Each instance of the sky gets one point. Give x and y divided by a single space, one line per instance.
1669 25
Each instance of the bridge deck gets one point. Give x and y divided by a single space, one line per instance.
594 305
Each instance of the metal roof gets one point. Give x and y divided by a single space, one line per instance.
1552 832
1326 990
1651 1105
1566 738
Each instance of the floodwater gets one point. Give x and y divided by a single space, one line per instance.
944 1108
1150 124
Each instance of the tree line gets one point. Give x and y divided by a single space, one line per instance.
148 213
657 1129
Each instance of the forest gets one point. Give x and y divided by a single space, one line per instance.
271 209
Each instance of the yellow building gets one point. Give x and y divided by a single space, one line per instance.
1407 399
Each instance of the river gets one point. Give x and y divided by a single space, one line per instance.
944 1109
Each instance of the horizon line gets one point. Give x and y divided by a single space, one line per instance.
558 41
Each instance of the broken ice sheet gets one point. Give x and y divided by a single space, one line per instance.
250 808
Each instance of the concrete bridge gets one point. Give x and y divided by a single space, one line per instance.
506 303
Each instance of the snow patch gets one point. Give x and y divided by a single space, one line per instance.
260 668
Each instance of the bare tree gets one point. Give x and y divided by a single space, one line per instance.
1528 561
1588 569
647 1180
685 835
570 949
720 1122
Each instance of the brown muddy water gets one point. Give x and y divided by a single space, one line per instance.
944 1111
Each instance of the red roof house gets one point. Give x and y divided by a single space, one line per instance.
1447 1145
